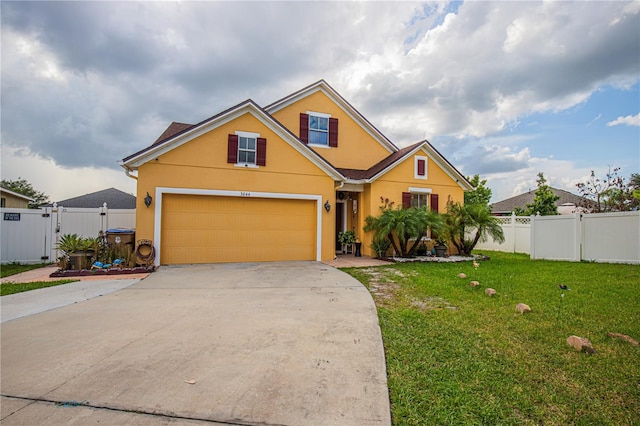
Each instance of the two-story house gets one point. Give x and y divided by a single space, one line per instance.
278 182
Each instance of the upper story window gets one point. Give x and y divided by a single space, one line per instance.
319 129
420 167
247 149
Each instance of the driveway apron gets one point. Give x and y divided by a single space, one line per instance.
288 343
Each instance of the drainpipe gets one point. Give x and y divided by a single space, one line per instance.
338 188
128 171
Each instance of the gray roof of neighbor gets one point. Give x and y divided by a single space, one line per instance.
114 198
521 201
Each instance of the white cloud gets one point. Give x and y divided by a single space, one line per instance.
629 120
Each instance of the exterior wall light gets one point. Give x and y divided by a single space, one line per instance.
327 206
147 200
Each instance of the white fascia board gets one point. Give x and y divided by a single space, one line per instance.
161 149
344 106
222 119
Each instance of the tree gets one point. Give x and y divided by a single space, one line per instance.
401 225
480 193
462 220
544 200
611 193
22 186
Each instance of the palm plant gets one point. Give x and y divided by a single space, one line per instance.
401 225
462 220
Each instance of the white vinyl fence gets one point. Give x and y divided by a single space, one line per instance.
517 235
31 235
602 237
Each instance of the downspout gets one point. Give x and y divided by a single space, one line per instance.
128 171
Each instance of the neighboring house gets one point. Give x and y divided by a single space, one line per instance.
568 203
10 199
279 182
114 198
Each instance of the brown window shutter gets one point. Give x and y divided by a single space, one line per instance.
406 200
261 151
304 127
232 149
333 132
434 203
421 167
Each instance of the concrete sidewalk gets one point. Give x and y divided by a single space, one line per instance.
294 343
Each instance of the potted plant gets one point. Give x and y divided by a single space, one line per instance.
441 245
347 239
77 250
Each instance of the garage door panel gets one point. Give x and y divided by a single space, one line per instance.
209 229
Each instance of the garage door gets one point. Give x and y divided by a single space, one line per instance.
209 229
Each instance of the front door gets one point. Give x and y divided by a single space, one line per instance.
339 223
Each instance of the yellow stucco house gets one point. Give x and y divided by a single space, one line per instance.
278 182
10 199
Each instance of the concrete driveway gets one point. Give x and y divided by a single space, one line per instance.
295 343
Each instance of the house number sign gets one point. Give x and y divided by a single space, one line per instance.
245 194
12 216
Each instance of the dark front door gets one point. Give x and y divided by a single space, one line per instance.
339 223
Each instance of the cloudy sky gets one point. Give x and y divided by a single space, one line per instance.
502 89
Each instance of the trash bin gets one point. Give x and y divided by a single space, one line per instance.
121 237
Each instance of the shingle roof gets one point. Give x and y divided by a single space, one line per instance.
378 167
114 198
521 201
173 129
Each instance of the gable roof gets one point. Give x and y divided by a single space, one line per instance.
391 161
354 114
173 129
114 198
16 194
521 201
190 132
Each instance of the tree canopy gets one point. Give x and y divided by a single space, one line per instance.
611 193
22 186
480 194
544 200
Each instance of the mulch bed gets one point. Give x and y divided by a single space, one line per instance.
93 272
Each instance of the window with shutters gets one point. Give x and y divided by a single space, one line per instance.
319 129
419 200
420 167
246 149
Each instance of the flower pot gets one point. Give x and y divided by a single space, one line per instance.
441 250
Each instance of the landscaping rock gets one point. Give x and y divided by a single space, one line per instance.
490 292
581 344
462 276
474 283
523 308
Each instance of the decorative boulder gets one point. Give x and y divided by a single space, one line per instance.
581 344
522 308
490 292
462 275
474 283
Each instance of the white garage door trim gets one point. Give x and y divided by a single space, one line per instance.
160 191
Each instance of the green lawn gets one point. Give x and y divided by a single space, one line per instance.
12 288
457 356
16 268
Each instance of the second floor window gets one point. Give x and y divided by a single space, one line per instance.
318 130
246 150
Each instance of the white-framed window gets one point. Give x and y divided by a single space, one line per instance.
420 167
419 200
247 148
318 128
420 196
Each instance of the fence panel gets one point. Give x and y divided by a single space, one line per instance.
24 236
517 235
611 237
555 237
34 237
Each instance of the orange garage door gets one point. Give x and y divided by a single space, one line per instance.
209 229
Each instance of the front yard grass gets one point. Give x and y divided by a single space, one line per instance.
15 268
457 356
12 288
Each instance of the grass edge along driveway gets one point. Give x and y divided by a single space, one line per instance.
457 356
